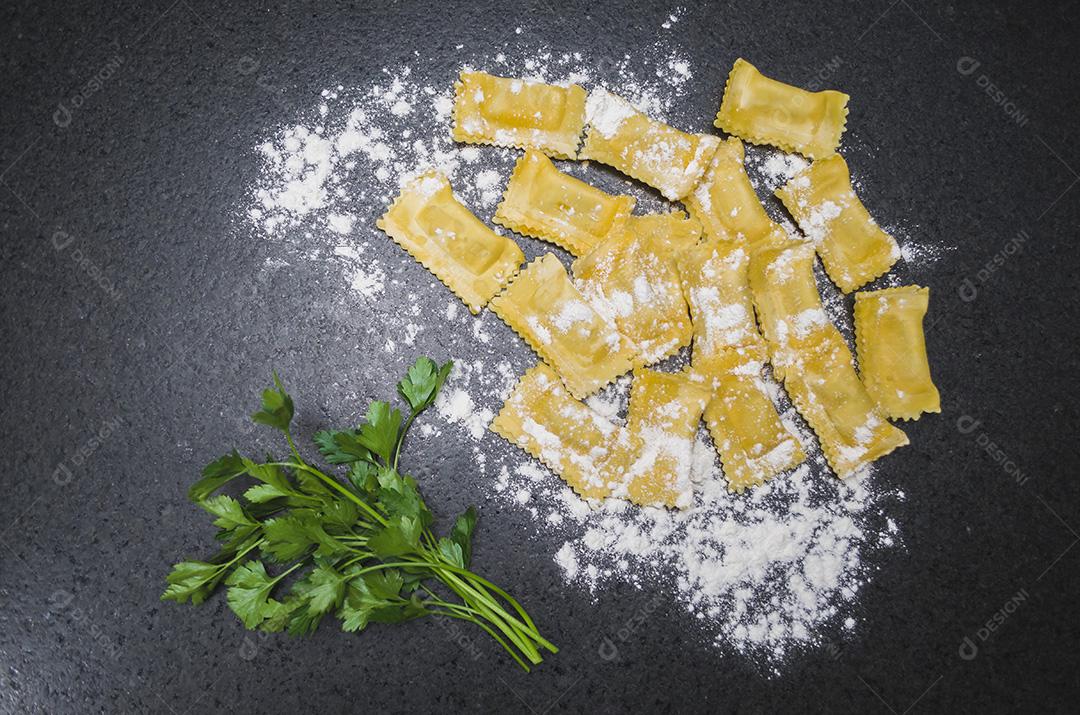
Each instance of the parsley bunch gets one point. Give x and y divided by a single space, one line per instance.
361 548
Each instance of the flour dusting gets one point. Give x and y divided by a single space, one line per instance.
766 573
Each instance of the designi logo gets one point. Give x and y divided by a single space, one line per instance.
967 65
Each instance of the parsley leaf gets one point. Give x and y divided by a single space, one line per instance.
262 493
355 612
398 538
318 593
269 474
341 446
399 496
380 433
422 382
193 580
278 614
302 621
323 588
452 552
277 407
230 514
375 597
216 474
339 513
290 537
249 593
363 476
462 531
384 584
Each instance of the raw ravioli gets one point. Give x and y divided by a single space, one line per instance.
546 309
892 350
447 239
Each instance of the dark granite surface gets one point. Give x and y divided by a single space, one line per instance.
127 311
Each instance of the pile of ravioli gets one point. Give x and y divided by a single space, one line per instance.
721 276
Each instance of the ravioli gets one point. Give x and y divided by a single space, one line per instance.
572 440
518 113
446 238
853 248
826 390
715 282
669 160
892 350
725 202
787 301
753 443
547 310
764 111
631 277
664 413
542 202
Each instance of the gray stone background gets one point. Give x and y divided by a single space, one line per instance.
135 344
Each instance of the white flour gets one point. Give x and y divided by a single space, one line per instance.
767 573
770 168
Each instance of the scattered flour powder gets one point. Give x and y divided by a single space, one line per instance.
770 168
766 573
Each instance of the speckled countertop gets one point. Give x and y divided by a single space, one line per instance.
127 306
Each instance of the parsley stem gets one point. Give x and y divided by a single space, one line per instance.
517 606
457 607
401 436
243 553
492 611
239 555
510 626
292 446
330 481
446 604
286 572
390 565
490 632
489 608
351 561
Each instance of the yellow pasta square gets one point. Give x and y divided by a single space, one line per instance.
853 248
664 413
447 239
518 113
825 388
572 440
632 277
542 202
753 442
764 111
724 201
776 238
672 231
665 158
892 350
787 300
715 282
547 310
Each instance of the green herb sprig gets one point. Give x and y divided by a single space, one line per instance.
361 548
